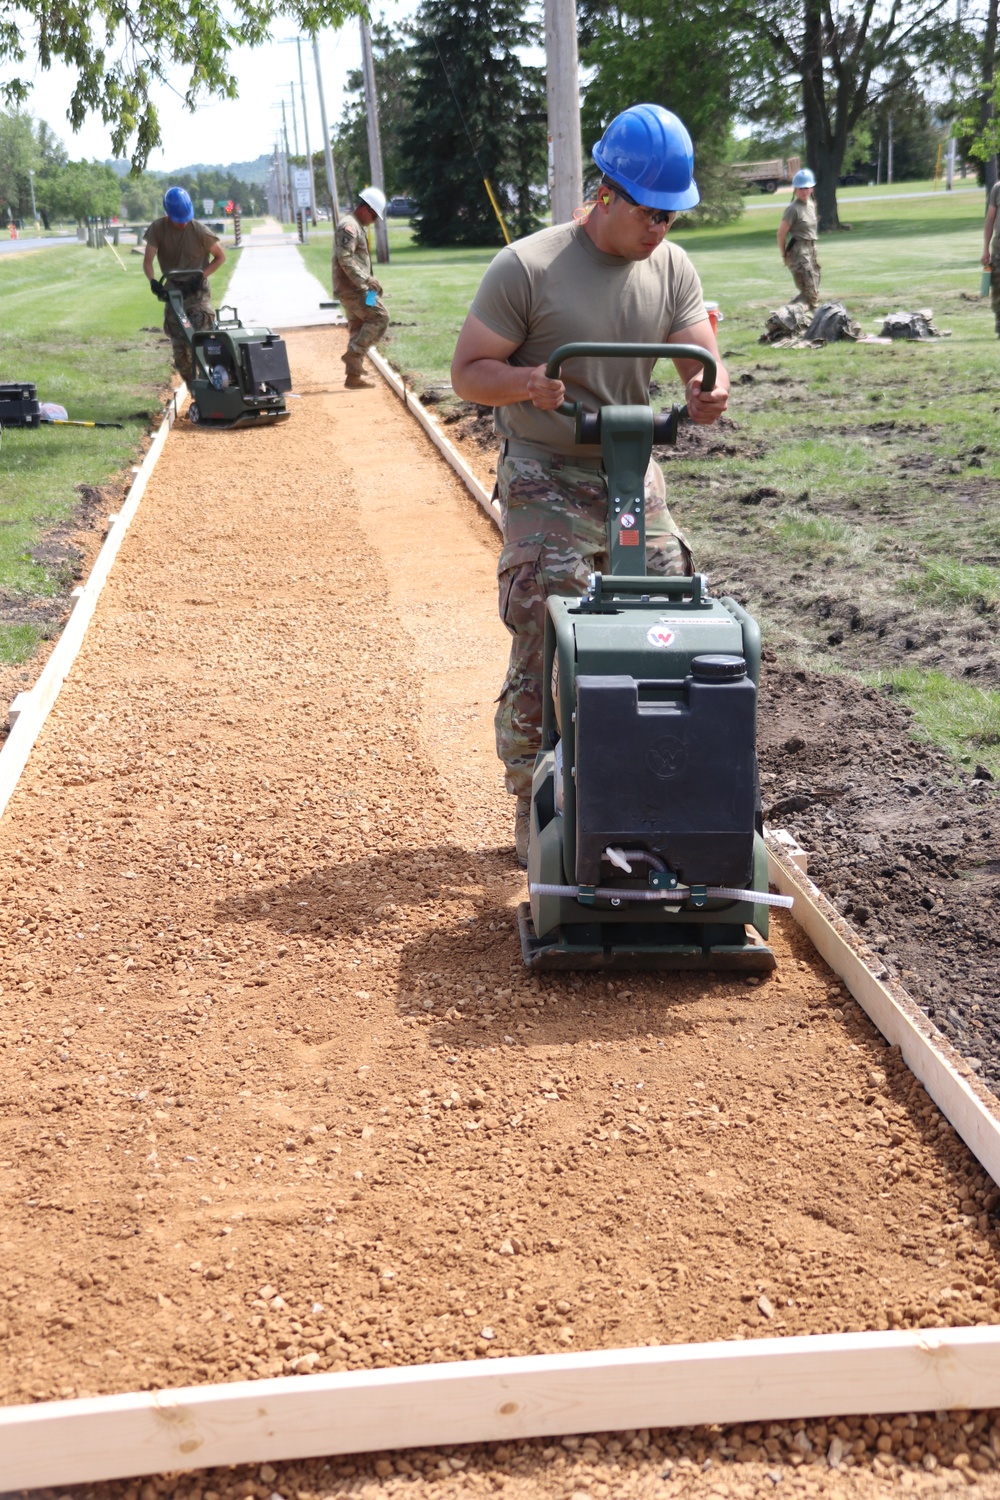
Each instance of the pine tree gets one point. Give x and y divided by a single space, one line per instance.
475 111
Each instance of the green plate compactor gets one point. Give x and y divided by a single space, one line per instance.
241 375
645 847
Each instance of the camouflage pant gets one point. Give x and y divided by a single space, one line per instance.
200 315
365 326
801 261
995 292
555 518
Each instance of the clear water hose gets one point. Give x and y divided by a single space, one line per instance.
679 893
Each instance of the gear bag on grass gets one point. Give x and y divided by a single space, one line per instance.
789 321
915 325
831 321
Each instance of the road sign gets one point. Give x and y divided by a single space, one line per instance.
303 196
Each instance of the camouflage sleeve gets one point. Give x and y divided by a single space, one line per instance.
351 251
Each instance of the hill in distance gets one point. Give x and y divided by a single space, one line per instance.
254 172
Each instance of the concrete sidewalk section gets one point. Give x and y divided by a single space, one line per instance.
272 286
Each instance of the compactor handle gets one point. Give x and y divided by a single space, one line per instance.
628 351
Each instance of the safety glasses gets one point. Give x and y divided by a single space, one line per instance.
652 216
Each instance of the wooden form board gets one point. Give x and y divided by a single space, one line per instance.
30 710
949 1080
437 437
307 1416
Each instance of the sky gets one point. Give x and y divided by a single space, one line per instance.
223 131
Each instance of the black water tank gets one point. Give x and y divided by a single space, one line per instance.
669 767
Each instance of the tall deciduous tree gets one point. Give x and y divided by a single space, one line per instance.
475 111
118 49
833 62
80 190
670 53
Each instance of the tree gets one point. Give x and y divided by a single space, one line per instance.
18 157
980 130
391 59
830 63
915 138
474 111
80 190
119 49
674 54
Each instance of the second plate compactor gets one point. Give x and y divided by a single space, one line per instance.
645 847
241 375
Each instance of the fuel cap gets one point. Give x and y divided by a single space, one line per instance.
718 668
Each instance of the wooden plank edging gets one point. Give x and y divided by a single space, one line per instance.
962 1098
437 437
31 709
489 1400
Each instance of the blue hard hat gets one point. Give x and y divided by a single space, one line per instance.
648 152
177 205
803 179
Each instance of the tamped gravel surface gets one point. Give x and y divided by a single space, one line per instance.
277 1093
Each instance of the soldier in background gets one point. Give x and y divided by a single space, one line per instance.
357 290
797 238
616 279
180 243
991 259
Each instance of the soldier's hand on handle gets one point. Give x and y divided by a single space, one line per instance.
985 260
157 288
374 286
544 393
705 406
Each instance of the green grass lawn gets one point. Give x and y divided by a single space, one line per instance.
858 480
87 334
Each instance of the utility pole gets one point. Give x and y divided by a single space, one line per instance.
374 139
295 123
288 165
327 149
34 210
305 129
563 89
888 175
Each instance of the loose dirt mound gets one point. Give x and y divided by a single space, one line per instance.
278 1095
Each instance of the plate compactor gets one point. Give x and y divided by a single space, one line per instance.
645 847
241 374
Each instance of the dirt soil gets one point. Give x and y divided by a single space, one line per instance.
276 1093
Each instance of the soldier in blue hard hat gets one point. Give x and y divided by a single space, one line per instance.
180 243
797 238
614 277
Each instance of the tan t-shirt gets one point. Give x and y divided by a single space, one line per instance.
181 247
802 221
556 287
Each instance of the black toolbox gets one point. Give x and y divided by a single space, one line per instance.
19 405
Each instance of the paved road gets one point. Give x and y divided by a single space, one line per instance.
38 242
774 199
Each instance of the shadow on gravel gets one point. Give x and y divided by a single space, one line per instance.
443 918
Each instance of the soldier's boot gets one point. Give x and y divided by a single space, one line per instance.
522 825
354 382
355 363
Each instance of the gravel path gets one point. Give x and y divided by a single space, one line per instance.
276 1093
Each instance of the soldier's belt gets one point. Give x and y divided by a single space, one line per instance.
513 448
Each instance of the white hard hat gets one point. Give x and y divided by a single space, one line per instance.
801 179
375 198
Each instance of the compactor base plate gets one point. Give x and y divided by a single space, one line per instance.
557 951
